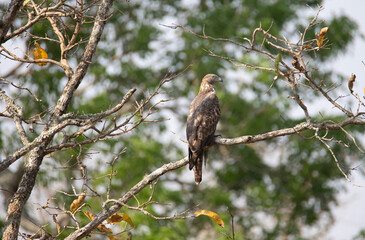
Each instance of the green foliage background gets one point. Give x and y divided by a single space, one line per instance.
270 198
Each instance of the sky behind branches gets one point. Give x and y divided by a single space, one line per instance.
349 213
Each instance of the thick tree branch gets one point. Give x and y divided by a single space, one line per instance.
18 200
89 127
36 154
33 161
44 136
9 17
53 130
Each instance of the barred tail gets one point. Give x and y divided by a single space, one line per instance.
198 170
196 162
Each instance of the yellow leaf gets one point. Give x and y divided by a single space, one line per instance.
212 215
39 53
319 40
127 219
76 203
101 227
26 2
57 224
320 36
118 217
89 215
111 237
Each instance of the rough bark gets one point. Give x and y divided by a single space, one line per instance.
36 154
18 200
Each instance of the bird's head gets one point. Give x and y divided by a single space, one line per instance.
212 78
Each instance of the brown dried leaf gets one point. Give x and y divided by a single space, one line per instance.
319 40
115 218
320 36
104 229
323 31
296 64
101 227
351 82
118 217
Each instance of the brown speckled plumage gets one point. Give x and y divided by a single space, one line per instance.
202 122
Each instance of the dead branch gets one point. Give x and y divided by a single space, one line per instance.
37 153
17 114
88 125
9 17
48 134
86 59
107 212
121 202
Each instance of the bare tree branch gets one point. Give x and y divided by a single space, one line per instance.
86 58
109 123
49 133
36 155
18 200
107 212
17 114
9 17
31 21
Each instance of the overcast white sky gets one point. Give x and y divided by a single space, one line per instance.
351 62
351 211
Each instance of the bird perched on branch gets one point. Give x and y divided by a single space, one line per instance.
202 121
